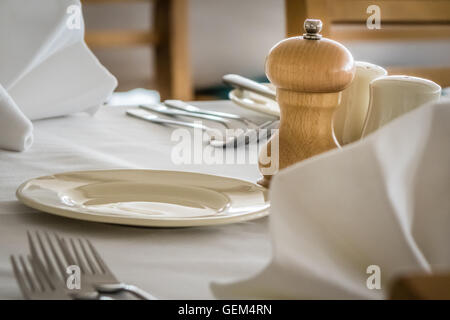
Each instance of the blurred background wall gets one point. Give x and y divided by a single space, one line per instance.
225 36
232 36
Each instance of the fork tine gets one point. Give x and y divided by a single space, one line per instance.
65 250
37 276
56 256
98 258
19 277
41 274
33 251
31 245
88 258
81 264
31 282
48 263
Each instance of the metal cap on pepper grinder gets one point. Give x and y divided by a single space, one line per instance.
312 28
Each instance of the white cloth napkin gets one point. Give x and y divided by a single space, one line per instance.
382 201
16 131
46 67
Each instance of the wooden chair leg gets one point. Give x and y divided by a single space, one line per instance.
172 55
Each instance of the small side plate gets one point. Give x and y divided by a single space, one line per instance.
146 197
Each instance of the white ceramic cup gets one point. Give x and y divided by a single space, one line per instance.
349 117
392 96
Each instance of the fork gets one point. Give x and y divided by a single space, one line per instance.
248 136
95 274
86 291
217 139
33 283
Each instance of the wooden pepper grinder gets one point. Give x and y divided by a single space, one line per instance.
309 73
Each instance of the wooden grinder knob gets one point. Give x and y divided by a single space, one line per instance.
309 73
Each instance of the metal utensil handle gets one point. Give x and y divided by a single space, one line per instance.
182 123
240 82
138 292
178 104
167 121
179 112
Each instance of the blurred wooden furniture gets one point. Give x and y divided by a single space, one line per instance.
345 20
421 287
169 36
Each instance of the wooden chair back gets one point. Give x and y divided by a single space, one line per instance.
345 20
169 37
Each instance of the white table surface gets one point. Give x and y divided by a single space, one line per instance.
170 263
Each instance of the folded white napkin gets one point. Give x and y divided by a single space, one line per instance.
16 131
383 201
46 67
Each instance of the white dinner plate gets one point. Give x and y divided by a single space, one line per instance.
146 197
254 101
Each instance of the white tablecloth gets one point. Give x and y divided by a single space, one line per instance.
169 263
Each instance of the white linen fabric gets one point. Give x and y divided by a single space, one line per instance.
170 263
382 201
46 67
16 131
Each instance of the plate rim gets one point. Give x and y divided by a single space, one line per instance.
147 222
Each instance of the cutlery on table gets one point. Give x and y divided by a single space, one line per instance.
57 276
241 82
184 106
33 283
96 270
144 115
96 277
162 109
245 136
216 137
